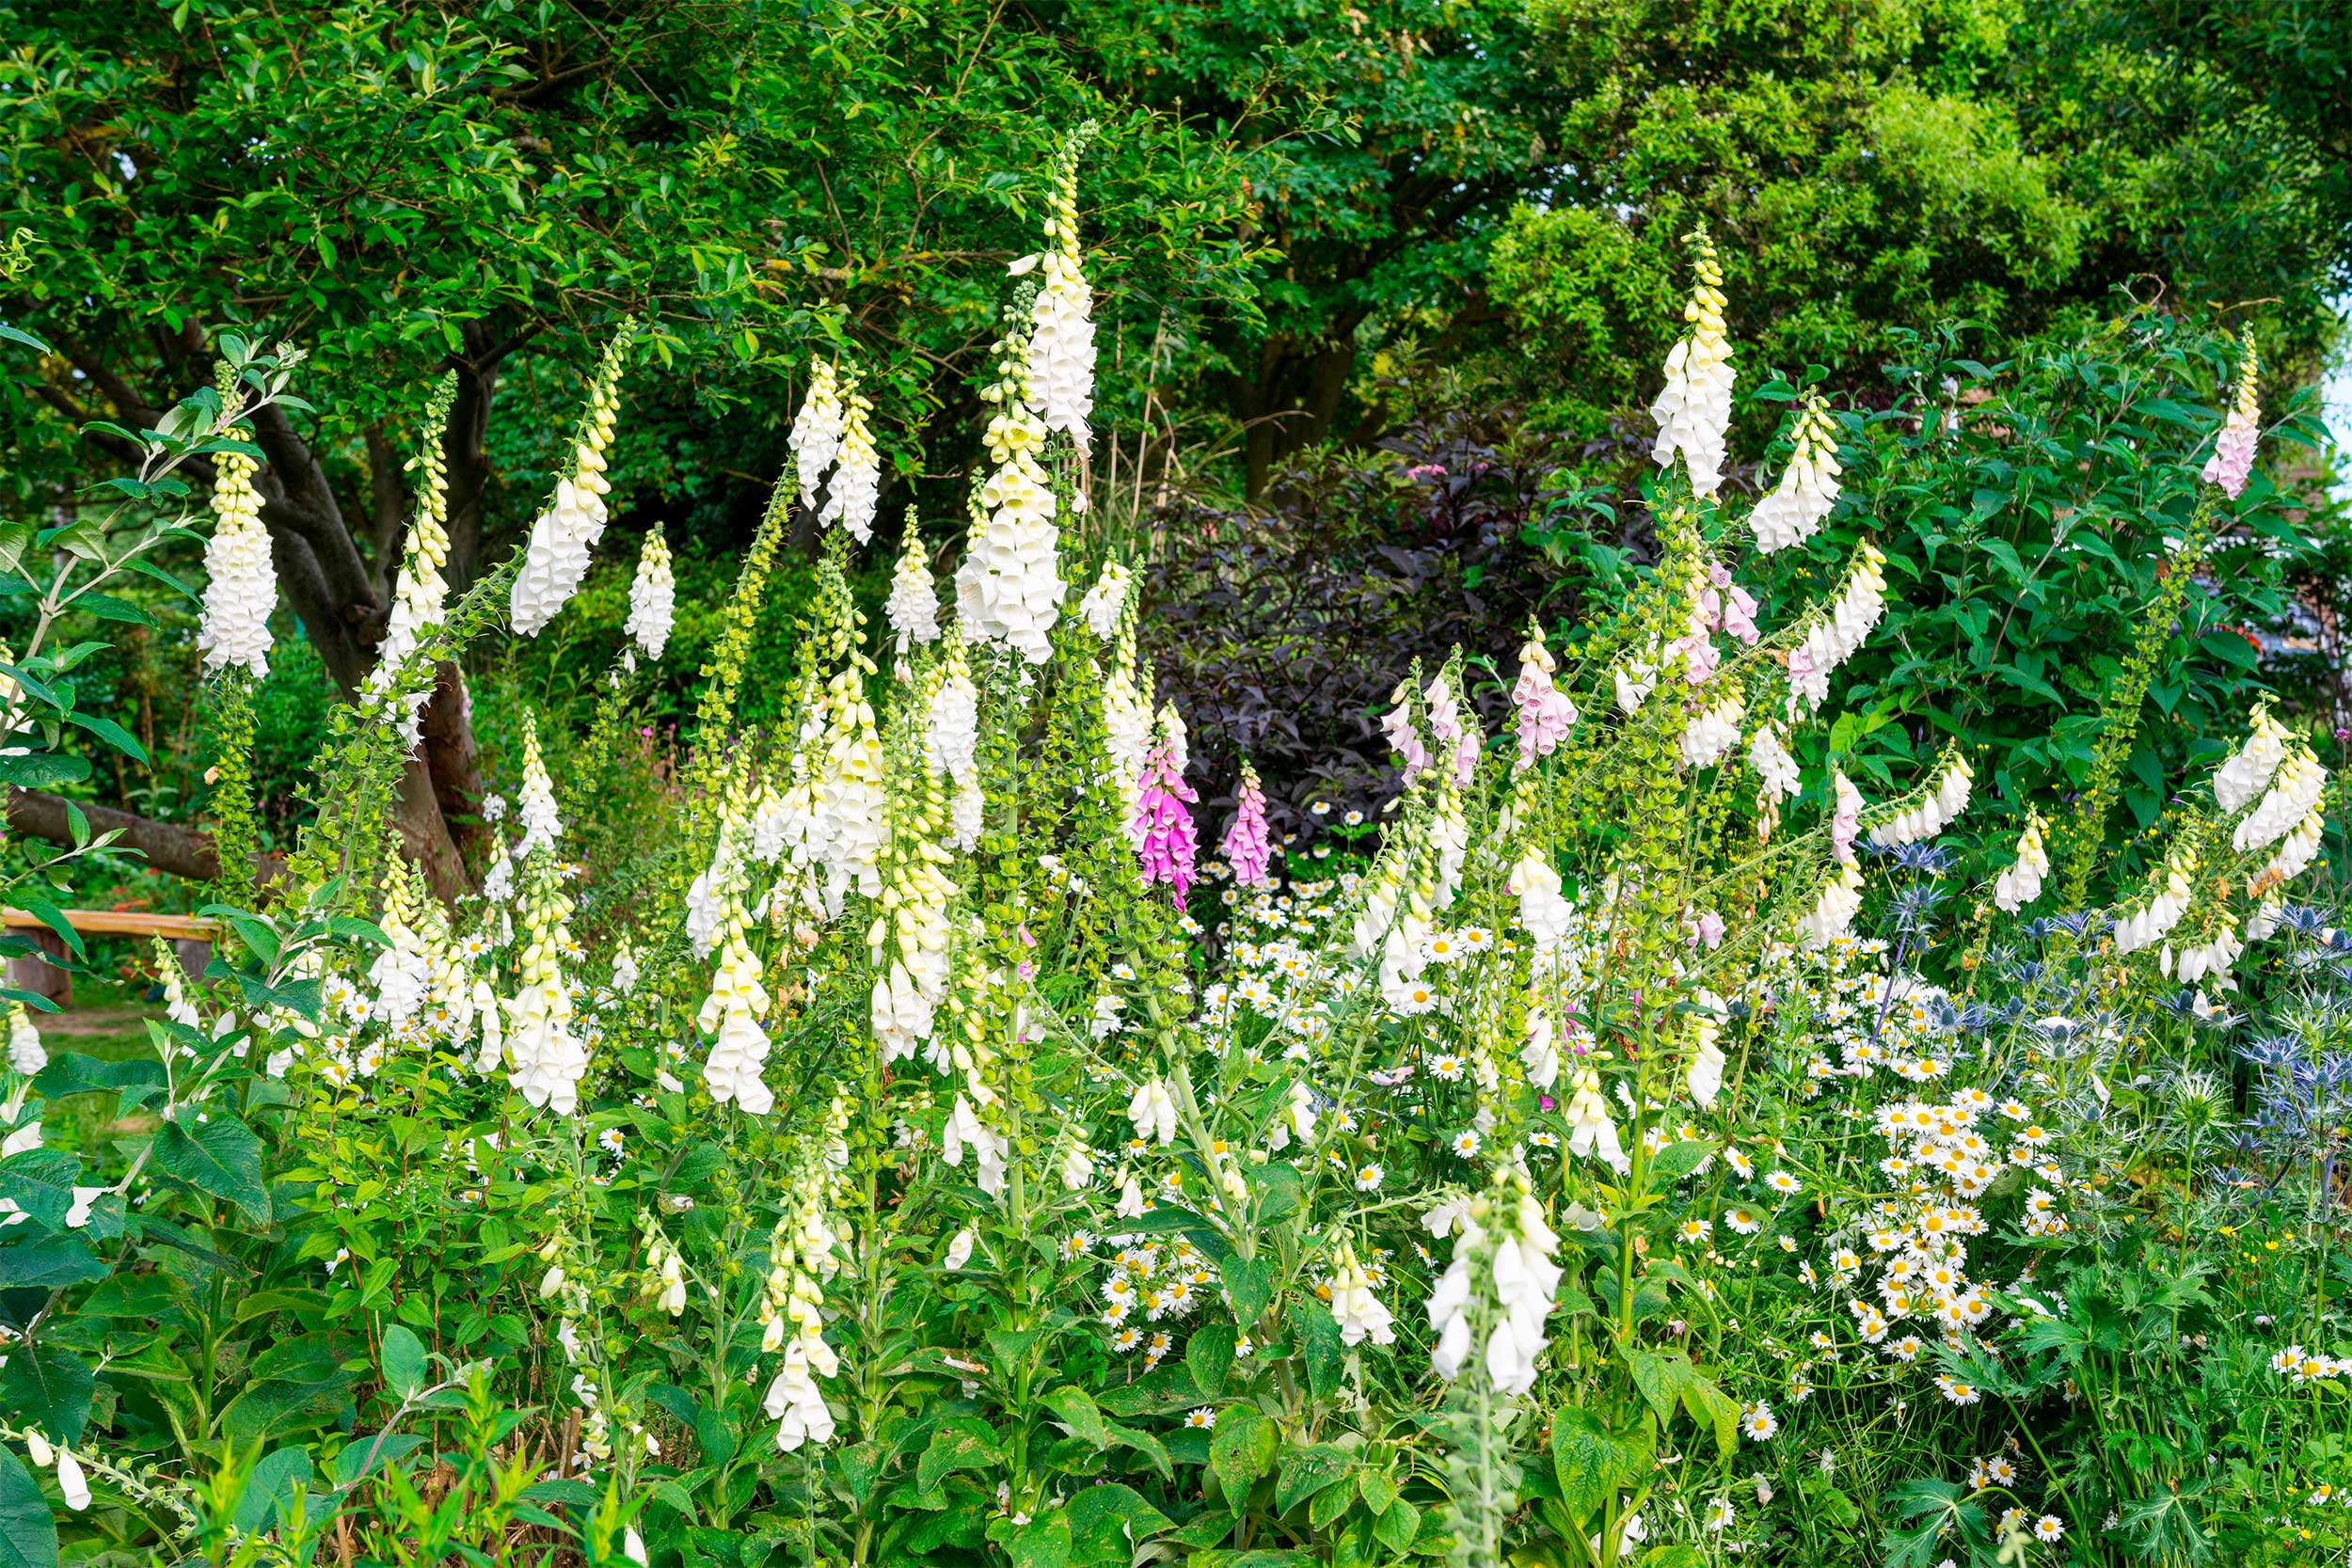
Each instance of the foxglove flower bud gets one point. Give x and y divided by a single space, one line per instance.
1247 847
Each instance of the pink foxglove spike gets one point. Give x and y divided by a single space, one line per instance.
1247 847
1162 829
2232 458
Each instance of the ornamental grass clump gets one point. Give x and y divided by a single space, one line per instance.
916 1147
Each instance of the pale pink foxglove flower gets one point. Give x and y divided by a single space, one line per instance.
1546 714
2232 458
1246 847
1403 737
1845 815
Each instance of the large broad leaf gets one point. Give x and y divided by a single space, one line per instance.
403 1361
47 1387
43 770
1590 1462
268 1492
48 1264
1209 1355
72 1072
219 1155
40 1182
295 1386
1307 1471
1107 1523
29 1535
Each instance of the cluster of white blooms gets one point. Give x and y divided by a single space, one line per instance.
1694 408
544 1059
1791 514
1544 914
1834 635
1833 913
801 1259
1009 589
2240 781
1636 678
720 920
954 740
857 478
2293 795
913 610
1106 601
844 828
2297 850
243 586
2149 924
652 598
556 557
1359 1312
1519 1270
1590 1130
420 597
817 430
2211 957
1705 1078
1711 733
989 1149
26 1055
1947 798
403 973
2020 884
910 984
1061 345
1777 778
1126 717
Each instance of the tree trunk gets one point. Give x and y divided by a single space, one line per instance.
455 768
1291 399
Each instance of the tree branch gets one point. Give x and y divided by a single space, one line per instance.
168 847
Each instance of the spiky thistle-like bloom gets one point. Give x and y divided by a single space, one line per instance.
1808 488
1161 828
857 480
1945 801
652 598
556 557
544 1059
419 598
913 610
2232 458
1009 587
242 588
1246 847
1694 408
2237 783
1061 344
2021 884
1834 635
816 430
1546 715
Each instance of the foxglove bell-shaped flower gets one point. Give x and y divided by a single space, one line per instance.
1247 847
2021 884
1834 635
2154 921
913 610
1061 344
1161 828
2237 783
1833 913
1546 714
1807 490
1360 1313
816 430
545 1060
2232 458
556 556
652 598
1711 733
857 478
1694 408
1106 601
1945 801
420 597
243 586
26 1055
2296 790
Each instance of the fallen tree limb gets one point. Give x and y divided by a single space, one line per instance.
167 846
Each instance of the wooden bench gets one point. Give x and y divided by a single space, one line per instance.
191 938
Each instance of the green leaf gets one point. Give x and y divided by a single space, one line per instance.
28 1533
49 1388
1319 1337
113 735
364 1456
219 1156
48 1264
43 770
1242 1449
108 607
1589 1461
1398 1524
1106 1523
403 1361
269 1491
962 1443
1712 1407
1657 1377
72 1072
1307 1471
1041 1543
1079 1415
1678 1159
1209 1355
1250 1282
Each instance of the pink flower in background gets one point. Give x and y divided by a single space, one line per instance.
1246 845
1425 470
2232 457
1162 829
1740 613
1545 711
1399 725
